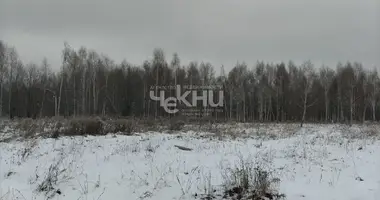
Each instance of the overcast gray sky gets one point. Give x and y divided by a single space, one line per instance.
218 31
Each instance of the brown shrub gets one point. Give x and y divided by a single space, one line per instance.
149 124
176 125
28 126
123 125
85 126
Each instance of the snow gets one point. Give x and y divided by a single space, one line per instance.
316 162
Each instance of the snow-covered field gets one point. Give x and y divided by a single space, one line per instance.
315 162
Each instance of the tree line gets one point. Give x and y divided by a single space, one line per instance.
91 83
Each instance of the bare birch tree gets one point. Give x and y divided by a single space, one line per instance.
308 76
326 78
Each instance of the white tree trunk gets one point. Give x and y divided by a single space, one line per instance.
244 107
304 108
373 105
10 93
75 97
1 98
364 112
326 106
351 105
261 107
60 96
84 91
94 92
231 104
43 102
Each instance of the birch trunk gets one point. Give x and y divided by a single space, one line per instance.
84 91
373 105
326 106
351 105
304 109
60 95
10 94
1 98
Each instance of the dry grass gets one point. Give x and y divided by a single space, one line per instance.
84 126
176 125
58 126
248 181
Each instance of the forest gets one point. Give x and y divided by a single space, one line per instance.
89 83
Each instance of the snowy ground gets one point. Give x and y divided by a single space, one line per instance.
316 162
